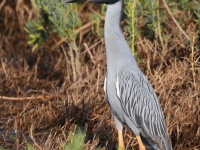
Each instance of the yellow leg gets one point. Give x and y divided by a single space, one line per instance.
121 142
141 146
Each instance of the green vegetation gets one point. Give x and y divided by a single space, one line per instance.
58 17
2 148
54 17
76 140
130 11
30 147
55 82
197 12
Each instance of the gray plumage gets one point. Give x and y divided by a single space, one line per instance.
130 95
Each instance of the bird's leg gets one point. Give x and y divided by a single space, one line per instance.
120 140
141 146
119 128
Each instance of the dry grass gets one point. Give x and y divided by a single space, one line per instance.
52 105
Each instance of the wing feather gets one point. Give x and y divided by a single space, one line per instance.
140 103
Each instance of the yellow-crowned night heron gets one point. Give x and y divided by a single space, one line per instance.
130 95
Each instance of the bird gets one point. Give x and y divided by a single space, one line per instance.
130 95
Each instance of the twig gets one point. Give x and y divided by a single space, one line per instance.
98 76
59 43
33 138
177 24
2 4
83 27
41 97
4 68
88 50
72 59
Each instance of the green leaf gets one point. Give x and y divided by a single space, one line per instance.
30 147
76 140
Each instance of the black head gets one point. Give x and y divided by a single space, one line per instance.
104 1
95 1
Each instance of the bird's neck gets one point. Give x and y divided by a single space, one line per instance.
117 49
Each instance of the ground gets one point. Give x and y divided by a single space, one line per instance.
41 102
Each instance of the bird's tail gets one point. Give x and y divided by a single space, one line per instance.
165 144
149 144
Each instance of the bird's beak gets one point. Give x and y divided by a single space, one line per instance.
103 1
71 1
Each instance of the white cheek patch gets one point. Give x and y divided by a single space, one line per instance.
117 87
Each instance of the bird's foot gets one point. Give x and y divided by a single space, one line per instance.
141 146
121 142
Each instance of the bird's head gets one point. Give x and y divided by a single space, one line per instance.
95 1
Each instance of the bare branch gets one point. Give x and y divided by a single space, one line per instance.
40 97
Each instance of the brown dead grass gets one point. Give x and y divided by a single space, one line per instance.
52 105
